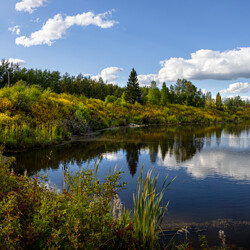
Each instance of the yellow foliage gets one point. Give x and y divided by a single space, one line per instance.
5 105
5 119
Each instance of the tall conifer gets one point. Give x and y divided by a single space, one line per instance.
133 92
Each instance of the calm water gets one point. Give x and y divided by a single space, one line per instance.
211 163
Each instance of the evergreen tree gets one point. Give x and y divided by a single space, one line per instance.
218 101
144 95
133 92
172 95
208 99
164 94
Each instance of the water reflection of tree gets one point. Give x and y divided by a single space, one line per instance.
182 143
186 146
166 146
76 153
218 135
236 130
132 156
153 150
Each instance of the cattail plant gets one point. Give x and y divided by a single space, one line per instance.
148 212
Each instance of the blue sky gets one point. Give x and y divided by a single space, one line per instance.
207 42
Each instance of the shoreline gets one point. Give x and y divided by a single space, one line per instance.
99 131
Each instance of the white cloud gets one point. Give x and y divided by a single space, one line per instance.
238 87
238 142
52 30
89 18
204 91
57 26
29 5
86 75
208 64
245 98
15 29
202 165
16 61
145 80
108 74
114 156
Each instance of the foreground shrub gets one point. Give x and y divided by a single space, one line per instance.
83 215
86 214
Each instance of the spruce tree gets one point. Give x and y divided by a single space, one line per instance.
218 101
164 94
133 92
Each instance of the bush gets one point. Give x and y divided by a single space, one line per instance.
84 215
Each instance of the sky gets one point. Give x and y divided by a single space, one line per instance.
206 42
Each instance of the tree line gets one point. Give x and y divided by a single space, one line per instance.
183 92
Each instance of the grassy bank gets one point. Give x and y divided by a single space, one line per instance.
33 117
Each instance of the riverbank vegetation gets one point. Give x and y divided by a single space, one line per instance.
43 107
86 214
31 116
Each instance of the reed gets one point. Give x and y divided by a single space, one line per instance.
148 212
15 135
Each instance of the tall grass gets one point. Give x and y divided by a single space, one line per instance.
148 212
15 135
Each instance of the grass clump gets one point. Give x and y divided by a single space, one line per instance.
148 212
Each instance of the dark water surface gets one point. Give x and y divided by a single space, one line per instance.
211 163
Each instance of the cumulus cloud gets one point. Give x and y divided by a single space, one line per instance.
145 80
238 87
212 161
245 98
208 64
29 5
114 156
57 26
108 74
16 61
15 29
223 163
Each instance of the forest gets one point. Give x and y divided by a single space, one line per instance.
183 92
39 108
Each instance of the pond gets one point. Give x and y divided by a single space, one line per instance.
211 165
